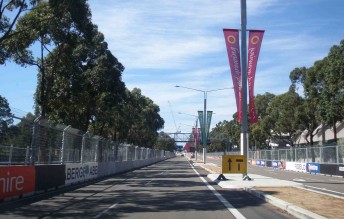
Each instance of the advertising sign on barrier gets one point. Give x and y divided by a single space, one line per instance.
76 173
90 170
275 164
278 164
268 163
313 168
294 166
340 170
16 180
49 176
261 163
332 169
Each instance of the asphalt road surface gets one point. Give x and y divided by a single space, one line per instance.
327 184
169 189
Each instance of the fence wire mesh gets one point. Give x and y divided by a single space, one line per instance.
318 154
40 141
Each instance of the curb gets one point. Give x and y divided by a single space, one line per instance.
290 208
286 206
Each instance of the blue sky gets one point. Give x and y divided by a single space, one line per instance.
166 43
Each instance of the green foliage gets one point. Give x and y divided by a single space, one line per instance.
282 116
87 85
323 92
20 134
10 11
224 136
139 120
165 142
6 120
260 132
55 25
331 77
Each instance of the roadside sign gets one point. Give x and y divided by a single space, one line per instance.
234 164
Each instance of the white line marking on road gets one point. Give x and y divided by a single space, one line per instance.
323 189
228 205
333 180
106 210
299 180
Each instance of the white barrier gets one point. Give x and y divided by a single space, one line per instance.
294 166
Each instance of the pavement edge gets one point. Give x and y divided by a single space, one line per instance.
288 207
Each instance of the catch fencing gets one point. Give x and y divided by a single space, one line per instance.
317 154
49 143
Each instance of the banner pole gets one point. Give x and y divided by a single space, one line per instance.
244 128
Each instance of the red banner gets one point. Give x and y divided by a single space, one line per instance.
233 51
16 180
254 43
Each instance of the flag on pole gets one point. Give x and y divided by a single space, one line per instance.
209 114
200 118
254 43
233 51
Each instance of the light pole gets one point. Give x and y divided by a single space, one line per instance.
196 130
204 138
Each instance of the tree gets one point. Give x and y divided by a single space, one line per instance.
307 114
331 77
224 136
52 24
20 134
6 119
87 87
281 116
10 11
165 142
259 136
139 120
260 132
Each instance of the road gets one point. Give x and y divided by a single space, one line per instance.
169 189
327 184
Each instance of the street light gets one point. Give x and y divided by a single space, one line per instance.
205 92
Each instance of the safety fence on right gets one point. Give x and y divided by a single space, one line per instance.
328 160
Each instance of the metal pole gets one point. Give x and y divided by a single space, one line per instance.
244 132
196 136
10 155
64 140
204 127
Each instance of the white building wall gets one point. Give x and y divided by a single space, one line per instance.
329 134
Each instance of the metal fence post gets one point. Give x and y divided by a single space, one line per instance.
63 144
27 155
278 155
83 147
135 153
127 152
96 151
307 155
50 152
10 155
34 140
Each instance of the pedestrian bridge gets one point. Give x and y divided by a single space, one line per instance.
181 137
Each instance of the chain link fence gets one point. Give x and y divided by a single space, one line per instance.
319 154
42 142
